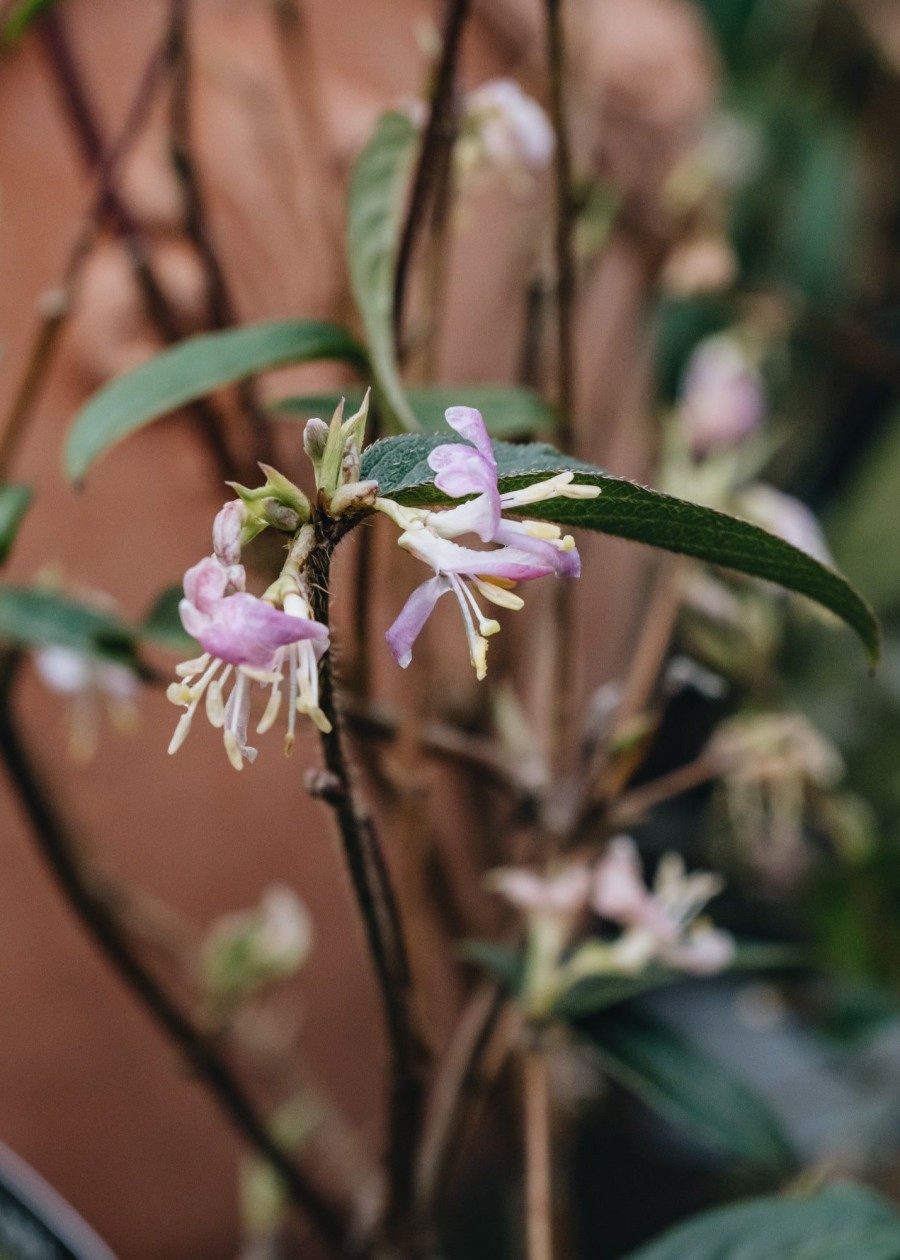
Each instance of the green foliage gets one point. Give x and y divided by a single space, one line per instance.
162 624
842 1222
20 17
14 503
686 1086
628 510
374 216
31 617
509 411
192 369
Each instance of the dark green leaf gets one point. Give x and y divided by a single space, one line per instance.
190 370
14 503
162 624
509 412
628 510
374 215
686 1086
596 993
842 1222
32 617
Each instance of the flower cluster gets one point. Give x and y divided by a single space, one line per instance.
658 925
525 549
272 641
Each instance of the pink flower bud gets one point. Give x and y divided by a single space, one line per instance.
227 532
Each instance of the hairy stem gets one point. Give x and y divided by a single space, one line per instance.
97 917
382 924
440 132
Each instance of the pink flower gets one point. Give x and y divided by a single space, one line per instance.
660 925
786 517
505 129
722 399
248 636
527 549
564 892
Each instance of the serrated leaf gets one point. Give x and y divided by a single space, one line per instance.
628 510
162 624
14 503
374 216
842 1222
192 369
509 411
31 617
686 1086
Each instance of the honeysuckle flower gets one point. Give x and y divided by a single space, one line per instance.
722 398
250 949
252 639
505 130
661 925
90 684
564 892
526 549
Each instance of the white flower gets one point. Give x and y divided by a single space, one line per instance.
503 129
90 684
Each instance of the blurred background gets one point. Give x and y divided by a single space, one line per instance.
738 165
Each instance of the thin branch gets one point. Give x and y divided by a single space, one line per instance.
82 116
57 304
220 306
101 923
381 920
564 225
440 132
538 1175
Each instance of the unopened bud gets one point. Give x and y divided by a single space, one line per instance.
280 516
284 490
227 532
315 435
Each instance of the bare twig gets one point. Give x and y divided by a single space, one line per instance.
99 920
381 920
564 226
83 119
58 302
437 141
633 806
220 307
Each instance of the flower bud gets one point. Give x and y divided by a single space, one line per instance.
280 516
227 532
358 496
250 949
315 435
722 399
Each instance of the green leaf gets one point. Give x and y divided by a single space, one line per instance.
509 411
162 624
190 370
686 1086
31 618
842 1222
628 510
504 962
374 216
595 993
14 503
20 18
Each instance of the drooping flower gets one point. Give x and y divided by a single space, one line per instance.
90 684
504 129
722 398
661 925
252 639
526 549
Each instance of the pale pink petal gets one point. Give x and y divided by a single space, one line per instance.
448 557
194 621
619 893
413 615
244 630
523 889
565 563
205 582
468 423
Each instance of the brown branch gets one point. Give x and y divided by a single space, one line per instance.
381 921
82 117
437 141
101 923
220 306
538 1176
564 225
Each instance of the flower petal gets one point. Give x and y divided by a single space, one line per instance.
205 582
413 615
244 630
468 423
